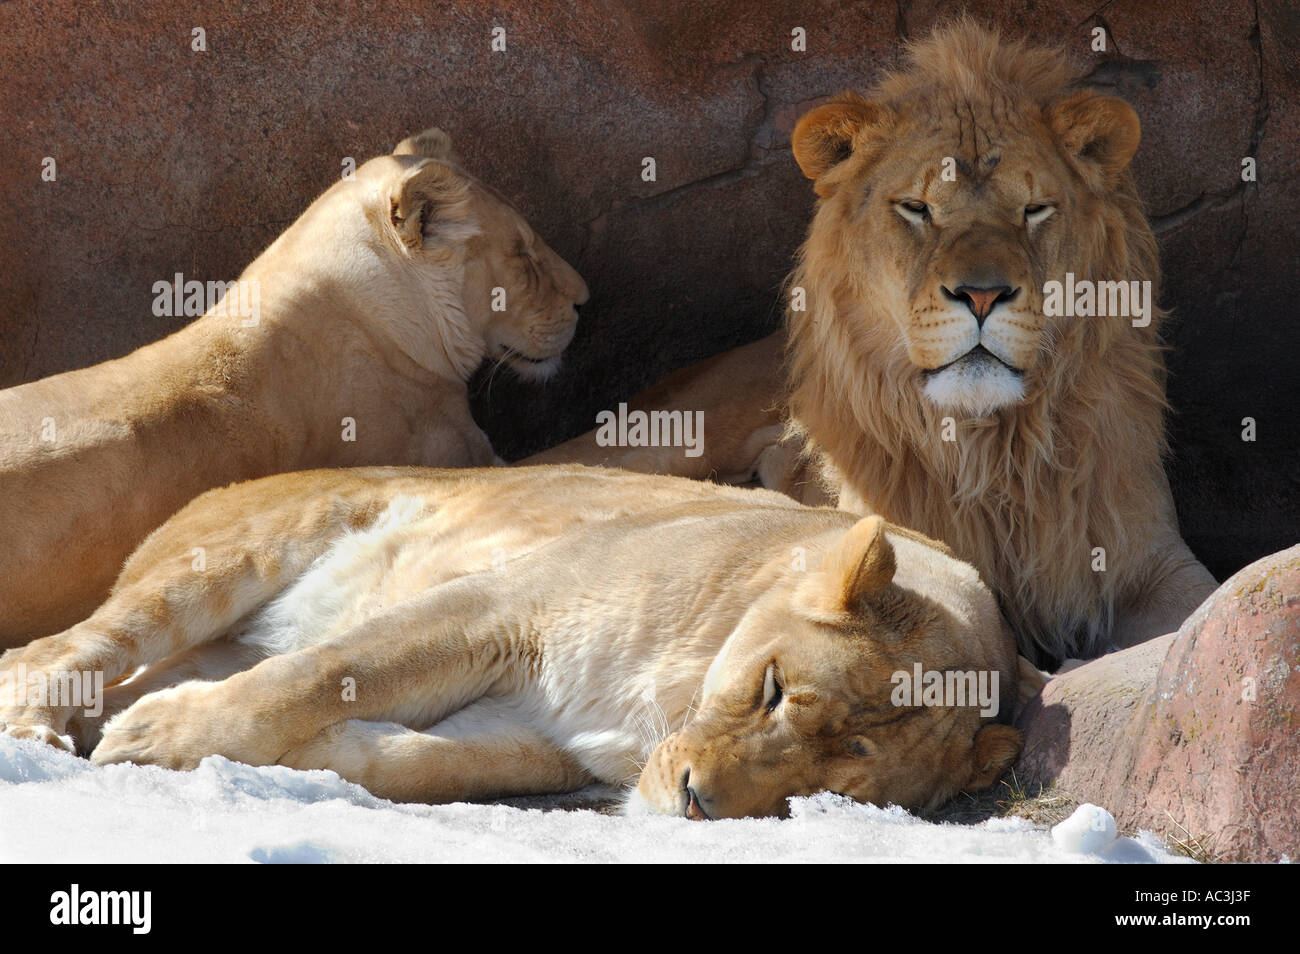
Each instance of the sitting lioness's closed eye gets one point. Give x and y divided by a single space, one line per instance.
443 635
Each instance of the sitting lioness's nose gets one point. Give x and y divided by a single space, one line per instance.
981 300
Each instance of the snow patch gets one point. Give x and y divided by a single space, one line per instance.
1091 830
55 807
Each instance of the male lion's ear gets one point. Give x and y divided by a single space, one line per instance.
862 563
823 138
431 202
433 143
995 750
1098 132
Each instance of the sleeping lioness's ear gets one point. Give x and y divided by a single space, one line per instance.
824 137
430 203
1100 133
432 143
860 564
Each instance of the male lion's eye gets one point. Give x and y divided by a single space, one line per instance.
914 210
771 689
1037 212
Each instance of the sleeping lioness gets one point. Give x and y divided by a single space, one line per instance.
441 635
372 311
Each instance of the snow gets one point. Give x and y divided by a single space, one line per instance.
1091 830
55 807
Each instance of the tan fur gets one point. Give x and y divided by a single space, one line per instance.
1029 488
742 395
743 415
447 635
375 306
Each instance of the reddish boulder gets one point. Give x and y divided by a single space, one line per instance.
1194 734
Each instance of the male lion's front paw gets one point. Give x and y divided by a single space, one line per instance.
173 728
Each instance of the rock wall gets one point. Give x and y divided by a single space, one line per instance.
173 160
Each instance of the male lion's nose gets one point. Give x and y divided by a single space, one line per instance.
980 301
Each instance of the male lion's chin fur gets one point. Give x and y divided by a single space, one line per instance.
975 387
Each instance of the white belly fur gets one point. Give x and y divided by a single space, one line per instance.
597 697
342 587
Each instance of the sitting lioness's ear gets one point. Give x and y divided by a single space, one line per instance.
430 203
824 137
1100 133
995 750
861 564
432 143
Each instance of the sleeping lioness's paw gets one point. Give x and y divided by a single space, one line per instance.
174 728
24 709
38 731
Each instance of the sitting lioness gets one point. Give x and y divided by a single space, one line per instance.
348 341
442 635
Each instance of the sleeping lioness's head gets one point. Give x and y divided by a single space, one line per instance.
439 262
807 696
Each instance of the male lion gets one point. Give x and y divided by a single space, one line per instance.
926 314
440 635
374 308
924 372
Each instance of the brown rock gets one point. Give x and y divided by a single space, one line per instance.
1194 734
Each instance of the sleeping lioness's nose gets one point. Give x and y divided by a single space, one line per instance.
694 811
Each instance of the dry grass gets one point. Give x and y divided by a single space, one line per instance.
1183 842
1010 798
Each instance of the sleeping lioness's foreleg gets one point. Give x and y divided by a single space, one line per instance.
486 750
167 602
413 663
